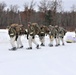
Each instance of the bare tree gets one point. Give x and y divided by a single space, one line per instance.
13 14
2 13
50 8
29 11
43 6
2 6
73 15
56 6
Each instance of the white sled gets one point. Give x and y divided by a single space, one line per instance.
71 39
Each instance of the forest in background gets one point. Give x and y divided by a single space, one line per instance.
48 13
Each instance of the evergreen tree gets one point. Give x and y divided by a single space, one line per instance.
48 17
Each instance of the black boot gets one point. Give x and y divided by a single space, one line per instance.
50 45
42 44
29 48
37 46
63 44
14 48
21 47
56 45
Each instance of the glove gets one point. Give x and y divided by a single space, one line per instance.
27 36
16 38
33 37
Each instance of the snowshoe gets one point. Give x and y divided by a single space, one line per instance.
56 45
42 44
50 45
38 47
29 48
14 48
21 47
63 44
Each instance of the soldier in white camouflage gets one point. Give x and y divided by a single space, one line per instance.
31 36
12 34
57 35
19 33
62 33
42 35
52 34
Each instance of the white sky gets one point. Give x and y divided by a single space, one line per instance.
67 4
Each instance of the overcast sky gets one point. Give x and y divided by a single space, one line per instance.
67 4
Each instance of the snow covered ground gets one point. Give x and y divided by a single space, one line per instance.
45 61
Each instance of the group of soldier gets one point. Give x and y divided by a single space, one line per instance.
15 32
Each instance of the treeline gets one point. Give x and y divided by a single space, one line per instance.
48 13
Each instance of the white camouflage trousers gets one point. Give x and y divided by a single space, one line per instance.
51 39
19 42
30 40
12 41
42 39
